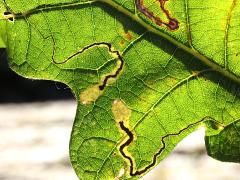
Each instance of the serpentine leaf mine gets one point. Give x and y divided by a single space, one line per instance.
172 23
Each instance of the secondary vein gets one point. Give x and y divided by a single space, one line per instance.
229 16
213 65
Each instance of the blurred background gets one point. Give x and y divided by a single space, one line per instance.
35 132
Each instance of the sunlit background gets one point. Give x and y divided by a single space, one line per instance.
35 125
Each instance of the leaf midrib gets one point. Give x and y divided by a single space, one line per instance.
214 66
195 53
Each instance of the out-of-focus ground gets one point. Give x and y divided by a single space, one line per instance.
34 141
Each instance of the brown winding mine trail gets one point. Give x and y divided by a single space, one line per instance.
155 156
173 23
96 44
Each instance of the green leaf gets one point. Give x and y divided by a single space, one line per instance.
2 29
2 45
144 75
225 146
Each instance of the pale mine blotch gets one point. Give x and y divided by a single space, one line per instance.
90 95
121 173
121 112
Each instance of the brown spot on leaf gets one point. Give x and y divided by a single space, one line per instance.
128 36
122 43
